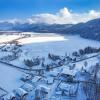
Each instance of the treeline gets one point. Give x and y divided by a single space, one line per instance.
86 50
32 62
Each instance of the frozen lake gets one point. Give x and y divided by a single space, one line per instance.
42 45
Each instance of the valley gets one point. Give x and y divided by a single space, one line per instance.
63 66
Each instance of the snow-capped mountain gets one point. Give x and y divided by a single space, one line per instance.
90 29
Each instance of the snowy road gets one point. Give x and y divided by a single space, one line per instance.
9 77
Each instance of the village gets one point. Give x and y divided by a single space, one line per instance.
59 77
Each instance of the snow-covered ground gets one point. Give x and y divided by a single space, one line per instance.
38 38
9 77
7 38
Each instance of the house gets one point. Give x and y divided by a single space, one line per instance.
68 89
53 73
67 71
36 79
26 77
67 75
50 80
42 92
27 87
44 88
20 93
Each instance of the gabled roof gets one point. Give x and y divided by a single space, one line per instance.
36 78
27 87
44 88
20 92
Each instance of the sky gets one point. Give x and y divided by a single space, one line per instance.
35 9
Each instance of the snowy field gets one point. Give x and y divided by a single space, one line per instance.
9 78
38 38
7 38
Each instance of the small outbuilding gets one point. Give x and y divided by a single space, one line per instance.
50 80
36 79
27 87
67 75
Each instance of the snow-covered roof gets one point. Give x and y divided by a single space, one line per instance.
20 92
36 78
67 71
50 80
67 87
58 92
64 86
53 73
44 88
27 87
10 96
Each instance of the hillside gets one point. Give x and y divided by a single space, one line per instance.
90 29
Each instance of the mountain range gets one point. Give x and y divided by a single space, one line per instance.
89 30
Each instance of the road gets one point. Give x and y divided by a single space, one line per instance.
25 69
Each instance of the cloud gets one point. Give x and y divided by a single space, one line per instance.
13 21
64 16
